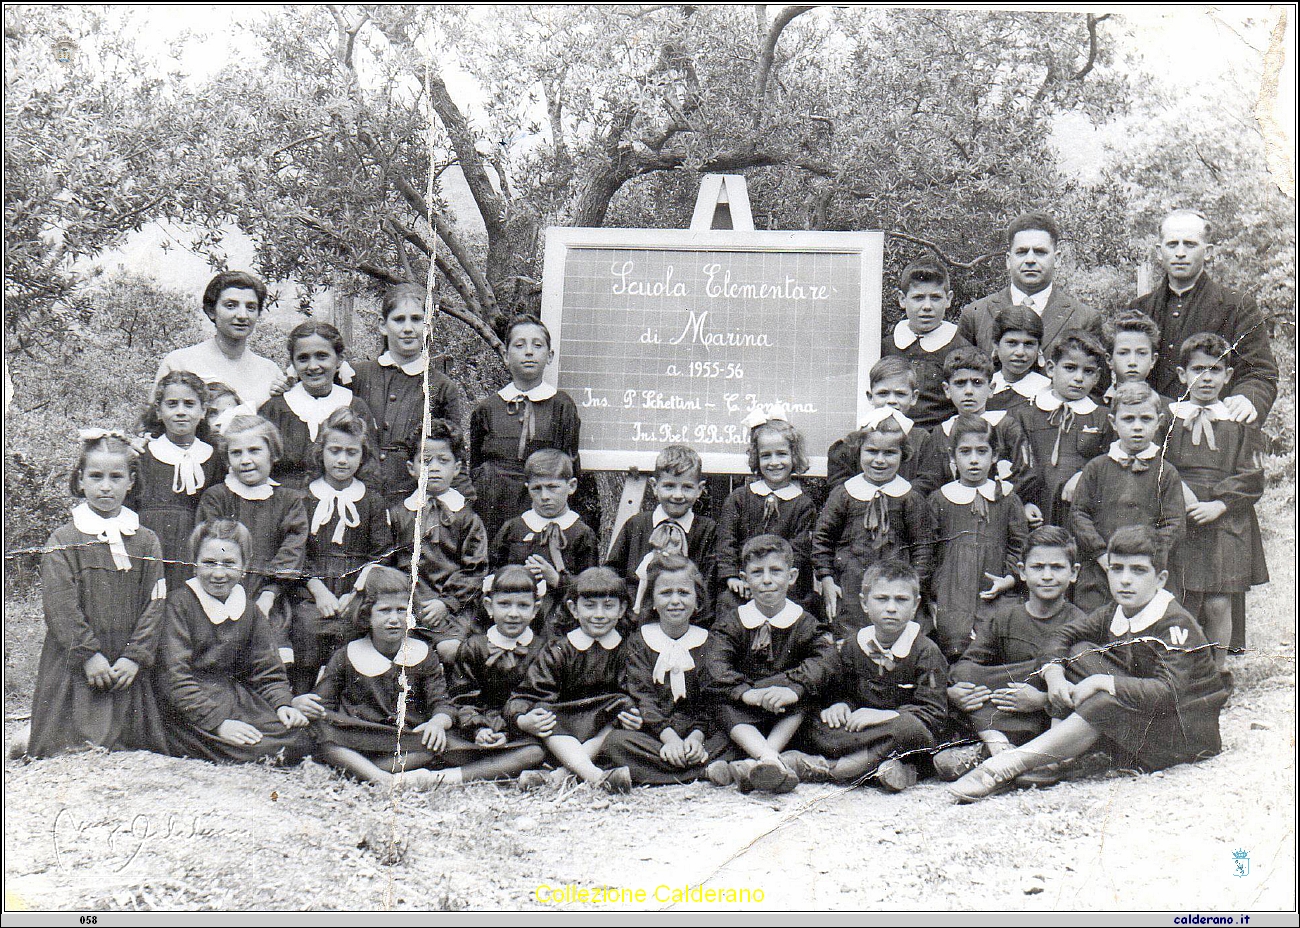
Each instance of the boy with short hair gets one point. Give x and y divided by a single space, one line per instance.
1134 350
1017 343
549 539
764 661
993 686
1128 485
924 337
1220 462
673 525
893 387
886 692
967 382
1137 677
453 542
1064 426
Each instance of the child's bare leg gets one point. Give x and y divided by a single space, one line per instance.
571 752
447 651
783 731
500 766
409 760
1216 621
594 745
750 740
356 763
1070 738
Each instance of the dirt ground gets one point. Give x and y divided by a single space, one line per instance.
134 831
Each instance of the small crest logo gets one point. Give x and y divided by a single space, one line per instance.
64 50
1241 863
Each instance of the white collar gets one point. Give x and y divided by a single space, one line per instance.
1119 455
880 413
216 610
1048 401
314 410
367 661
1037 301
126 522
659 516
543 391
933 340
258 493
1145 617
993 417
412 368
863 490
538 523
498 640
452 498
787 492
659 642
900 648
1187 410
1027 386
582 641
957 492
675 659
168 452
751 618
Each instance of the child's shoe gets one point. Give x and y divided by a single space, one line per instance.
768 775
719 773
951 764
1042 777
530 780
809 768
979 784
788 783
895 775
618 780
740 770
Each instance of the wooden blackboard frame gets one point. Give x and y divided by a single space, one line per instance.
868 246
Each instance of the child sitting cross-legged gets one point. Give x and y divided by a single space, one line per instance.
763 662
575 690
887 690
1138 678
995 686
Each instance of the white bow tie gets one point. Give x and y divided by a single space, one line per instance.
329 499
187 463
111 530
675 659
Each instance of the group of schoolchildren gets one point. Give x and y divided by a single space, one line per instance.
990 591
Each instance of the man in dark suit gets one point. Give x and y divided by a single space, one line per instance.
1032 239
1190 302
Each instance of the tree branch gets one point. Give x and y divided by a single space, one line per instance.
768 57
964 265
490 205
1093 20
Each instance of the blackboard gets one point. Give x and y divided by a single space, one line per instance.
673 336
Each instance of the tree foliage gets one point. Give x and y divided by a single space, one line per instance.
335 147
89 157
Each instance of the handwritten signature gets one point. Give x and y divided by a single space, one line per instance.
116 844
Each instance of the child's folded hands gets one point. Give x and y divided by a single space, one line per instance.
309 704
969 697
538 721
1020 697
860 719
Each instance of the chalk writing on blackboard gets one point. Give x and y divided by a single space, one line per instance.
667 336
